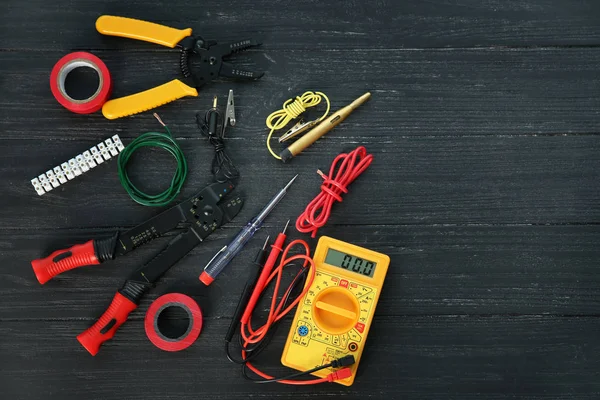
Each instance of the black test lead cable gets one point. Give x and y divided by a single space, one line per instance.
258 262
344 361
212 126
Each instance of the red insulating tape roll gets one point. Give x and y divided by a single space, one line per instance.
173 300
67 64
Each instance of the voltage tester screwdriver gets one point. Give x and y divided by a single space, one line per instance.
324 126
228 252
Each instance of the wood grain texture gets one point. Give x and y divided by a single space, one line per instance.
436 270
484 192
429 92
460 180
291 25
425 357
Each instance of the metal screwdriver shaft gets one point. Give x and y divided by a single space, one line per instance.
228 252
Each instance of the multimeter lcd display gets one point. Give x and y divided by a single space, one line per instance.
350 262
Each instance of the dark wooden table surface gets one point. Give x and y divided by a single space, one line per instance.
484 192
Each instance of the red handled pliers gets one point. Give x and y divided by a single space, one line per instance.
200 215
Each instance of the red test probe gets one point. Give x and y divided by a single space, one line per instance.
259 260
257 278
276 249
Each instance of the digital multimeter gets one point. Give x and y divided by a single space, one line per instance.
334 317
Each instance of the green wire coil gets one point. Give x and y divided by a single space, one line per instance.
159 140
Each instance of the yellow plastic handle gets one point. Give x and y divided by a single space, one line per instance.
335 309
141 30
147 100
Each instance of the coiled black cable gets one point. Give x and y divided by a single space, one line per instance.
222 168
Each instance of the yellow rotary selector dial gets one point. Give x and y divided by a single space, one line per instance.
335 310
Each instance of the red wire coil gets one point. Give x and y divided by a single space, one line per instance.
350 166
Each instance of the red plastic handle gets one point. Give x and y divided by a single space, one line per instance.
264 275
106 326
63 260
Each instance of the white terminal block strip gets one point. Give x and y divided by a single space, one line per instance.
77 165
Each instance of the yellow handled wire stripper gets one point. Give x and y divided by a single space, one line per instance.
208 56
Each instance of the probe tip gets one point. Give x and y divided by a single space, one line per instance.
286 226
291 181
266 241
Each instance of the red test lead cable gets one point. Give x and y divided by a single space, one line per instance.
343 171
252 335
276 249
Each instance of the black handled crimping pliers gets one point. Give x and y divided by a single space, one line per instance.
199 216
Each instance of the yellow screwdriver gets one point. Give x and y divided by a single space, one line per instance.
325 126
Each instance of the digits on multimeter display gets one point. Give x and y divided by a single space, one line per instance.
350 262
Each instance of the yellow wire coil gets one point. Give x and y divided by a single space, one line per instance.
292 109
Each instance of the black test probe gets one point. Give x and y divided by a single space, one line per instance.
258 262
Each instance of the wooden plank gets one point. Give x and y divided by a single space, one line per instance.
483 192
313 24
437 92
425 357
432 180
442 270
